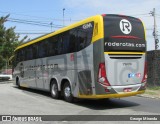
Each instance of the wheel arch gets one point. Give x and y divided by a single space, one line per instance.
54 79
63 81
17 78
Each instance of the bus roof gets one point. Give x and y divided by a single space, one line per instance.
96 18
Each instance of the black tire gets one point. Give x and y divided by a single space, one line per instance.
18 83
54 90
67 92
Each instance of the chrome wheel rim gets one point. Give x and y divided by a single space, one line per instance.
54 89
67 91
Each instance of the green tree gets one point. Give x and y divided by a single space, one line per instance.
9 40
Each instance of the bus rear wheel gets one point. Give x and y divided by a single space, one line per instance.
67 93
54 90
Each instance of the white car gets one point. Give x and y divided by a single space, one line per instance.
5 77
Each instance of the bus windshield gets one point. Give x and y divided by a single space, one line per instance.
123 33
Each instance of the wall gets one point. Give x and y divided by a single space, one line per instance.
153 68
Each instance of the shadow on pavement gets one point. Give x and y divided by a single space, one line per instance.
100 104
5 81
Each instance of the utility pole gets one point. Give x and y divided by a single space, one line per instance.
51 26
155 32
63 16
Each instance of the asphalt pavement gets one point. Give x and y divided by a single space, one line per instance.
14 101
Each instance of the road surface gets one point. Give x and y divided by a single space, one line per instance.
14 101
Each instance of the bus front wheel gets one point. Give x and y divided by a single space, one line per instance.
67 93
18 83
54 90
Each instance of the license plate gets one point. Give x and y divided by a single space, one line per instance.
127 90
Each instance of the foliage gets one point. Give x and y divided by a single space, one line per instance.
154 88
9 40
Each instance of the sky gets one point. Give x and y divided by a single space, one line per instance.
37 17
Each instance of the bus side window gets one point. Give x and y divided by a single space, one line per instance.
52 46
65 42
42 49
84 36
45 48
21 55
82 39
73 41
25 53
34 50
60 44
17 56
29 53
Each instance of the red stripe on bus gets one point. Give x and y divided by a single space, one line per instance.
127 37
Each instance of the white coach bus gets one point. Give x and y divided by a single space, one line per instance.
100 57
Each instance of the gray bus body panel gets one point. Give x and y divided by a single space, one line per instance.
124 71
78 70
81 71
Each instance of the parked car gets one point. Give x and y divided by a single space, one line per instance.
6 75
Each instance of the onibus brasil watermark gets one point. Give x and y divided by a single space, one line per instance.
38 118
21 118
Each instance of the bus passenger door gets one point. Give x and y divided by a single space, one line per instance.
39 73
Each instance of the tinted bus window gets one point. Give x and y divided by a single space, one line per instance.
17 56
66 37
29 53
84 36
21 55
53 46
42 49
60 44
73 39
34 50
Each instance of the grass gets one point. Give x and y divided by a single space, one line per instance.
150 92
154 88
153 91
